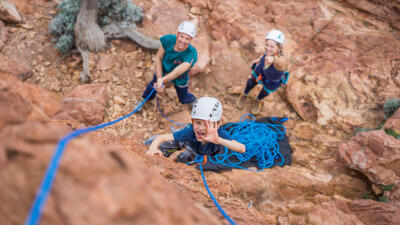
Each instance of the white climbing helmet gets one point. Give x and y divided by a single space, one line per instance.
188 28
276 35
207 108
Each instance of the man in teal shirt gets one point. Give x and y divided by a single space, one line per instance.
172 64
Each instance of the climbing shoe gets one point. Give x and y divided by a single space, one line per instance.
257 105
138 103
240 101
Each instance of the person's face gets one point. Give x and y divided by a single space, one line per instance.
199 128
182 41
271 47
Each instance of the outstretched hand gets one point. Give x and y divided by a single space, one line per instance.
211 132
153 151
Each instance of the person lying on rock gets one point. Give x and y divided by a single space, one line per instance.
269 69
172 63
204 133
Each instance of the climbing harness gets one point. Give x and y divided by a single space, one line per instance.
283 81
44 189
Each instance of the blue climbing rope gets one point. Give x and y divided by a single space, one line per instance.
163 115
261 141
199 159
44 189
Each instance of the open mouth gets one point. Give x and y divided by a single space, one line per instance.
200 134
182 45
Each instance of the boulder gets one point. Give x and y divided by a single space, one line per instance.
86 104
9 13
22 101
18 66
96 183
393 123
3 35
377 156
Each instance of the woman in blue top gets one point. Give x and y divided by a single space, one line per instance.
172 63
204 134
269 69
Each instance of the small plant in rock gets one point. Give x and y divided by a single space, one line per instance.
367 196
361 129
391 105
393 133
88 24
387 187
382 199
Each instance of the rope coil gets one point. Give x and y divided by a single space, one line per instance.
261 141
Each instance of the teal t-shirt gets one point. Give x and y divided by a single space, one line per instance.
172 58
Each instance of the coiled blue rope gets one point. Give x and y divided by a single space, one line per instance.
199 159
44 189
261 141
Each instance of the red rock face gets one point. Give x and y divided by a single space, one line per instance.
393 123
86 104
344 66
386 11
13 108
22 101
104 182
9 13
3 35
376 155
18 66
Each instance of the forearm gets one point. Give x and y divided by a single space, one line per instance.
281 63
158 62
160 139
232 145
177 71
258 59
158 67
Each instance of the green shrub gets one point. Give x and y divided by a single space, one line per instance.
367 196
383 199
391 105
387 187
62 25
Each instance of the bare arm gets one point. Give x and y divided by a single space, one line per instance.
154 147
257 60
183 67
158 62
281 63
232 145
213 137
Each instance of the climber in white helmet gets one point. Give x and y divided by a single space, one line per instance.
172 63
204 133
268 70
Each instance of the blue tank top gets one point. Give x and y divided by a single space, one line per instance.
271 77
